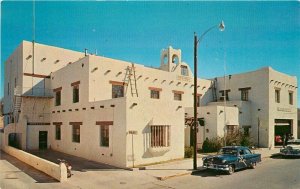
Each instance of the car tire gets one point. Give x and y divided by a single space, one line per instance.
253 165
230 170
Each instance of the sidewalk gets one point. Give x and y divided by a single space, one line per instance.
177 168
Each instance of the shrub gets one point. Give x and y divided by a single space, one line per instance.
235 139
246 141
188 152
212 145
238 138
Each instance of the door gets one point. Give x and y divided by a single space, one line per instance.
43 138
242 158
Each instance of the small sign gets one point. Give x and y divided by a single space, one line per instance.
132 132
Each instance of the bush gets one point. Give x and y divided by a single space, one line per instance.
238 139
246 141
235 139
212 145
188 152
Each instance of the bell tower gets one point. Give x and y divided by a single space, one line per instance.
169 59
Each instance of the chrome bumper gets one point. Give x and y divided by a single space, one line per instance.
216 167
289 154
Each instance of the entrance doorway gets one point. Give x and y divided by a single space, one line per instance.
43 138
282 128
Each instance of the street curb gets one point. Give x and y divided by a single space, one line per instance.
180 174
172 176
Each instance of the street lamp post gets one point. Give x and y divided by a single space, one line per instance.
221 27
258 128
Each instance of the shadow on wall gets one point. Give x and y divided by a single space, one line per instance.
146 140
150 152
35 174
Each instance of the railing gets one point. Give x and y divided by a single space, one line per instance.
33 91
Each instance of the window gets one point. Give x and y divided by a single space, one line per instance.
224 94
178 95
7 88
231 129
175 59
75 93
57 92
247 151
117 91
291 98
57 98
245 93
104 135
277 95
160 135
198 100
57 132
184 70
76 133
154 94
246 130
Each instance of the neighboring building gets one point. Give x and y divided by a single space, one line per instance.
122 113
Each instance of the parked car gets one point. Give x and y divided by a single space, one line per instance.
292 149
231 158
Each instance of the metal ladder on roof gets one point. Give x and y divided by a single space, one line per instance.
130 72
17 101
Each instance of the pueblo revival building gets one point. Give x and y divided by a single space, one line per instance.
125 114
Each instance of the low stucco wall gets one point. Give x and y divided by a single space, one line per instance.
56 171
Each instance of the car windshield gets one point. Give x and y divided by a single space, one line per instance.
228 151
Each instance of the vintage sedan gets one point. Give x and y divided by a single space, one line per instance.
231 158
292 149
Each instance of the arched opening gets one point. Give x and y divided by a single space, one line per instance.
165 59
175 59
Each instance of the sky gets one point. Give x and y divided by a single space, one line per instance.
257 34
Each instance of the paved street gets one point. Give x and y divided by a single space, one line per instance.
272 173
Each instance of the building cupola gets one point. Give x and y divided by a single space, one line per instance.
170 58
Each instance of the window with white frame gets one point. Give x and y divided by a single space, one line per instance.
184 70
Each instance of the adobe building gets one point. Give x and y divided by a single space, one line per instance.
126 114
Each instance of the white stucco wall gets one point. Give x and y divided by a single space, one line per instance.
95 73
262 97
56 171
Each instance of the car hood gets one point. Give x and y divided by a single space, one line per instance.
223 157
